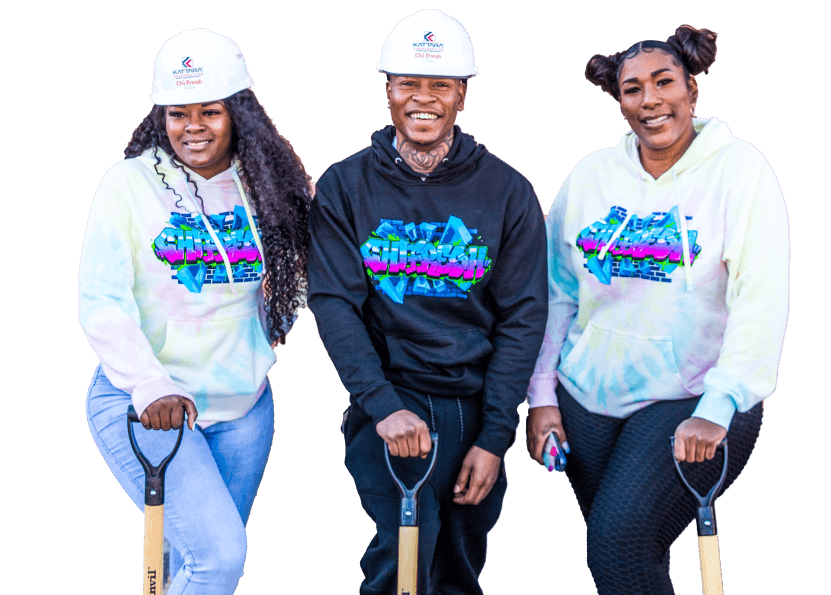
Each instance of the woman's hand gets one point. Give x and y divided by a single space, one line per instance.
696 439
540 423
168 412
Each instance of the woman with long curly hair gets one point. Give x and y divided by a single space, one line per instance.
192 270
668 299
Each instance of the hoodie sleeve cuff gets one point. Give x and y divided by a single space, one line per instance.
381 402
542 391
495 439
717 407
153 390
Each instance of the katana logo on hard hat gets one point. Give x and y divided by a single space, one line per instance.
198 66
190 71
428 43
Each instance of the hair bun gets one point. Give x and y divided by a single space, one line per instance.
602 71
697 47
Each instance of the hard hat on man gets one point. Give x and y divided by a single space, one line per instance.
428 43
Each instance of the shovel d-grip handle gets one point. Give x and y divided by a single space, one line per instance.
409 497
408 524
153 474
705 520
705 516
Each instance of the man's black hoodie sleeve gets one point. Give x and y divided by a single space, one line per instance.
519 288
338 292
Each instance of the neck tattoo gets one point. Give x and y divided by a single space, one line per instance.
424 162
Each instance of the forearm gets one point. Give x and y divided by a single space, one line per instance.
346 340
757 260
562 307
107 308
337 292
520 294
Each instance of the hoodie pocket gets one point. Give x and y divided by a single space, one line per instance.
439 353
217 357
616 366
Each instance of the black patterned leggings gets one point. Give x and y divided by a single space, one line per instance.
629 492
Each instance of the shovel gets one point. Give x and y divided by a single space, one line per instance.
705 520
153 508
408 525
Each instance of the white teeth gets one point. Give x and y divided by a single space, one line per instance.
654 121
201 143
421 116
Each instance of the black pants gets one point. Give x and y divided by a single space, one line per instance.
629 492
452 537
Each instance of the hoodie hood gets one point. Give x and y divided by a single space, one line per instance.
168 168
463 156
711 136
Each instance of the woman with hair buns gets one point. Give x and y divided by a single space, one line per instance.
668 299
192 269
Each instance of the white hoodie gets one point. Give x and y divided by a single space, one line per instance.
629 321
166 310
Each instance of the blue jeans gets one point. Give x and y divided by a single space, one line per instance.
210 485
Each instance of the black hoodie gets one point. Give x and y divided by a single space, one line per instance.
436 283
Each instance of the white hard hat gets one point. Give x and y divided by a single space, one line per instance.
428 43
198 66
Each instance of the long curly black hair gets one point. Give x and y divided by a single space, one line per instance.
280 193
694 50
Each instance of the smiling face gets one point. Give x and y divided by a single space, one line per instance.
424 109
200 134
656 99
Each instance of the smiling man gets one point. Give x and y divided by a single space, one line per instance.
428 283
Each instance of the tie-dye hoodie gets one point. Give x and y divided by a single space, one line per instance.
170 287
637 314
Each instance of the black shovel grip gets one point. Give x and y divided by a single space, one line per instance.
409 497
705 516
153 474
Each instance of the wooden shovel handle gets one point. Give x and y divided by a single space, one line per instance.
407 560
708 553
153 549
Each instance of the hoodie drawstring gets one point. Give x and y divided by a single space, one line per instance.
254 231
614 237
461 417
461 421
685 240
214 237
432 417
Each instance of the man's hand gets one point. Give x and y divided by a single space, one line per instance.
405 433
696 439
166 413
480 470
